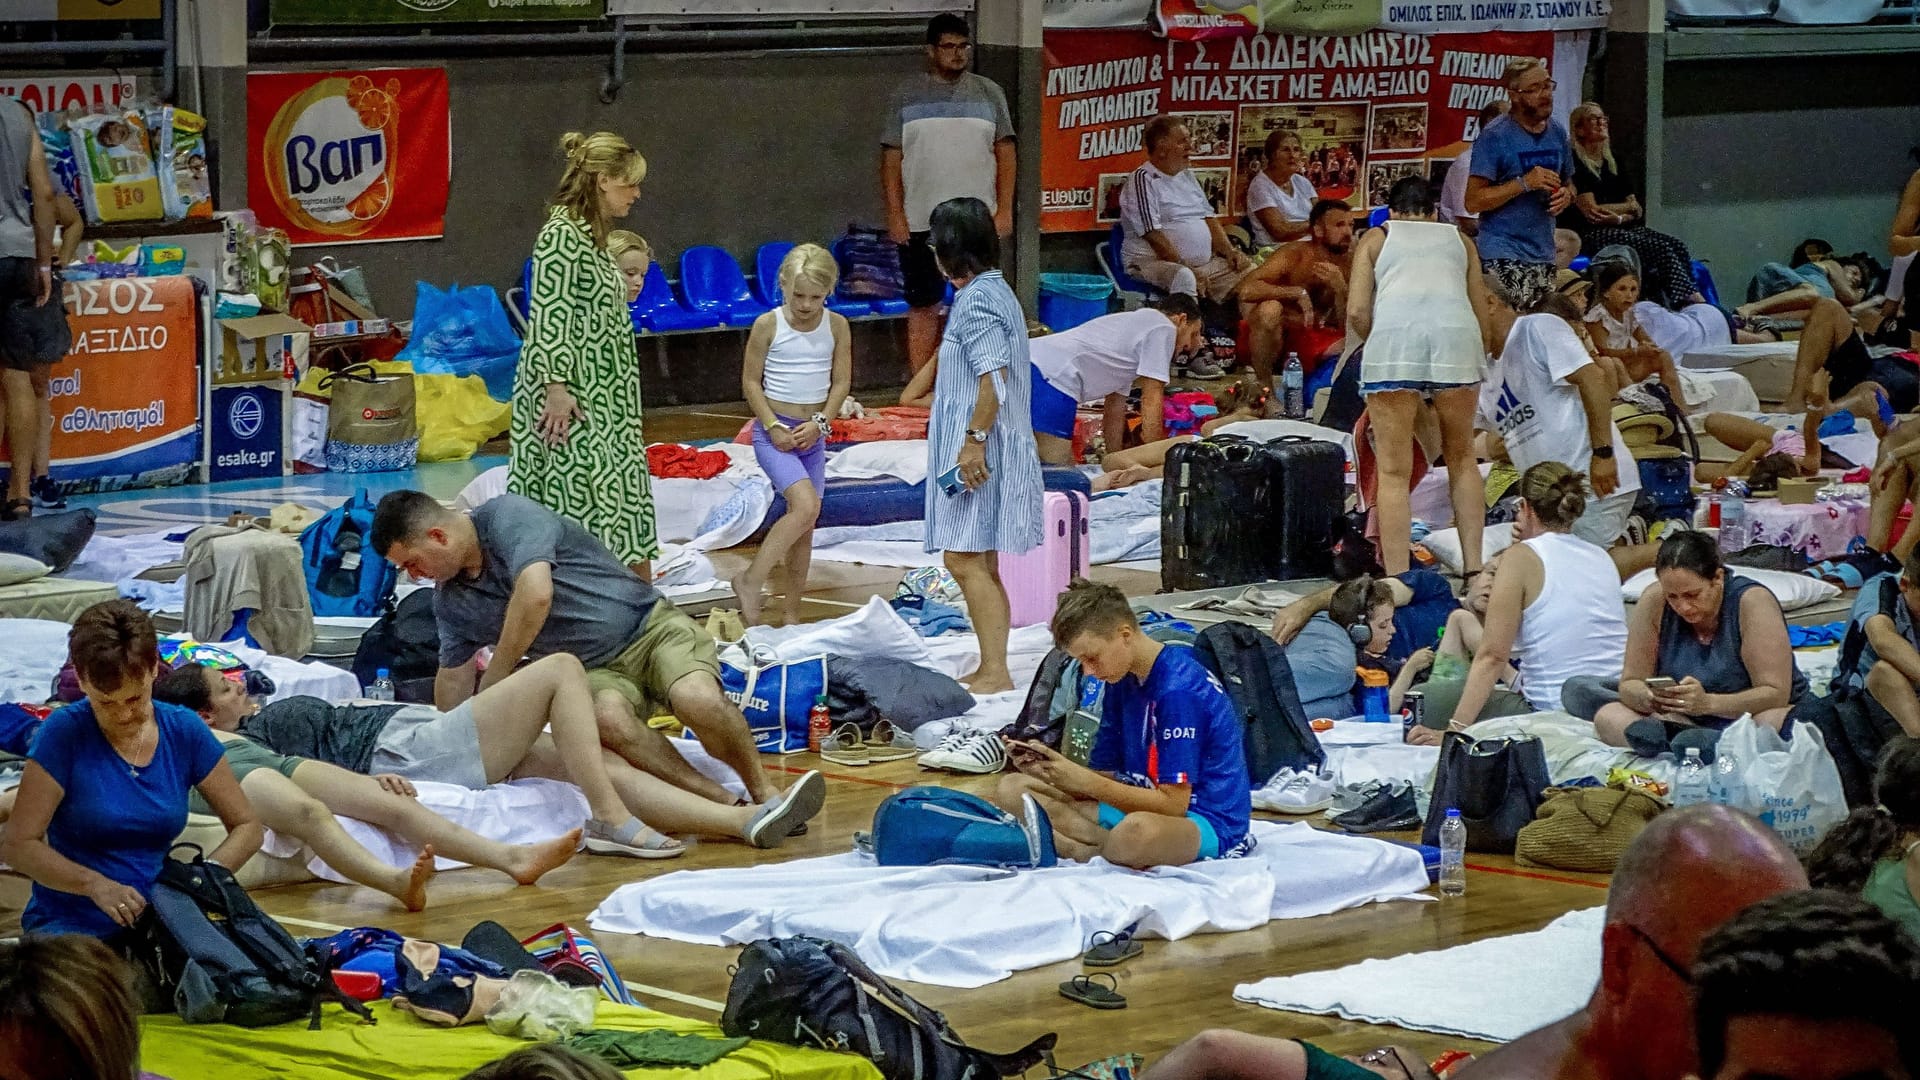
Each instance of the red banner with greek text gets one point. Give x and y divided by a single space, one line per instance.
1368 109
341 157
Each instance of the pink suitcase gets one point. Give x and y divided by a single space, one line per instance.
1035 579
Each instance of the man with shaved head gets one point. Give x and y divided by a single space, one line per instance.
1688 872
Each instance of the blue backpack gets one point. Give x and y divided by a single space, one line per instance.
934 826
344 576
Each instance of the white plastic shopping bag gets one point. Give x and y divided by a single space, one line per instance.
1792 786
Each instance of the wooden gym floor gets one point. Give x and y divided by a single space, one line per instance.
1174 989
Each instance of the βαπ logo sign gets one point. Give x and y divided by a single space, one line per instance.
329 152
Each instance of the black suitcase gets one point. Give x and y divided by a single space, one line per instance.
1234 511
1210 532
1308 490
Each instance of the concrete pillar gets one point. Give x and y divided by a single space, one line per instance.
213 82
1631 83
1007 49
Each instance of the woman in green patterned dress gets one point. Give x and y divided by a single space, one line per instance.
577 445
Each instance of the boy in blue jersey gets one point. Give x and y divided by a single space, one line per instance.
1166 783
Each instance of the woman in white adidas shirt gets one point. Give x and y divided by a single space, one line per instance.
799 364
1556 603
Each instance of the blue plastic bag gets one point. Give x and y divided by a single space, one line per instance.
463 332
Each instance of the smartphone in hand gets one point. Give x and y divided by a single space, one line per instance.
950 481
1660 683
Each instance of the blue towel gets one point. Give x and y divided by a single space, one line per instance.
930 618
1822 634
1840 423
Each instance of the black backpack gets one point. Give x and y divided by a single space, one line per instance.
1855 642
803 991
222 960
1259 681
1043 718
405 641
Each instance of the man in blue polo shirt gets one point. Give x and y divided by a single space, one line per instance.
1522 178
1166 783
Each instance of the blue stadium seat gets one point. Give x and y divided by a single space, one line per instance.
525 300
1580 263
658 311
766 264
715 284
1378 216
1110 262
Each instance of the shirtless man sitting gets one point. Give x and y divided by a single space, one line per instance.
1296 301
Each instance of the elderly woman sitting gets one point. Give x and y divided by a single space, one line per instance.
1704 648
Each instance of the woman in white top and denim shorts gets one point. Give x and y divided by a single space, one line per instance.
1417 304
799 364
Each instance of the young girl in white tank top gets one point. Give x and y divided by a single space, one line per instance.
799 364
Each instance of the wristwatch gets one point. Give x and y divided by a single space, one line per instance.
1603 451
977 436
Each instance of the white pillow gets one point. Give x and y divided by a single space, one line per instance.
903 458
1445 544
15 569
1794 591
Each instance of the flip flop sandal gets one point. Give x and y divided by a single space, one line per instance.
889 743
1846 575
844 747
1083 989
1117 948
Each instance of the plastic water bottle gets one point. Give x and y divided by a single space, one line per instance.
1733 521
382 688
1727 788
1293 384
1453 855
1690 786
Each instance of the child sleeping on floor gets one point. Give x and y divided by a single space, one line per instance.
1768 454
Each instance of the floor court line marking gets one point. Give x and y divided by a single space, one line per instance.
310 924
671 995
797 771
718 415
1555 878
834 603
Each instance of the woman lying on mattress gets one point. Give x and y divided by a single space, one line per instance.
298 798
106 783
499 734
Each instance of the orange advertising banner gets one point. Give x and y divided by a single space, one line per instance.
342 157
126 397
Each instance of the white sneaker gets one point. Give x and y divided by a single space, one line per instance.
1292 792
968 752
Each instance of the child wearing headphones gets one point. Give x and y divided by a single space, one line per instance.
1366 606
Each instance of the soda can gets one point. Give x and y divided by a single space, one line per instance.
1413 709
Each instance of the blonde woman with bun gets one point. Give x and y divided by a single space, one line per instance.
798 368
577 445
1556 606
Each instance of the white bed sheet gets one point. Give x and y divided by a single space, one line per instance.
969 926
36 650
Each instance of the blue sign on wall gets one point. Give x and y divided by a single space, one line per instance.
248 425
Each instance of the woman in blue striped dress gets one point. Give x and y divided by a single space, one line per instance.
982 426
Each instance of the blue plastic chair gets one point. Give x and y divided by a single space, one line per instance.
1703 283
524 302
1378 216
766 270
1116 270
659 311
1580 263
715 284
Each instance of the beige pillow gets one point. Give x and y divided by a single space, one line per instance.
15 569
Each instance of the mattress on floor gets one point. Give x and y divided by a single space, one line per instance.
884 500
345 1047
55 599
1767 365
263 870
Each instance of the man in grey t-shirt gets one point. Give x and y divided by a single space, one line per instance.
948 134
33 323
517 576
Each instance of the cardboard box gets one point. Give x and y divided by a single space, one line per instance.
1795 491
261 348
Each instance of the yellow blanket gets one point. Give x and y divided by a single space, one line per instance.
403 1045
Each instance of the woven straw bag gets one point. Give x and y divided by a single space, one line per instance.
1584 828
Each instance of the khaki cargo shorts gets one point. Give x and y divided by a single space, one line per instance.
670 647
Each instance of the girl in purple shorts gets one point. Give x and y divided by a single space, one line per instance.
798 367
